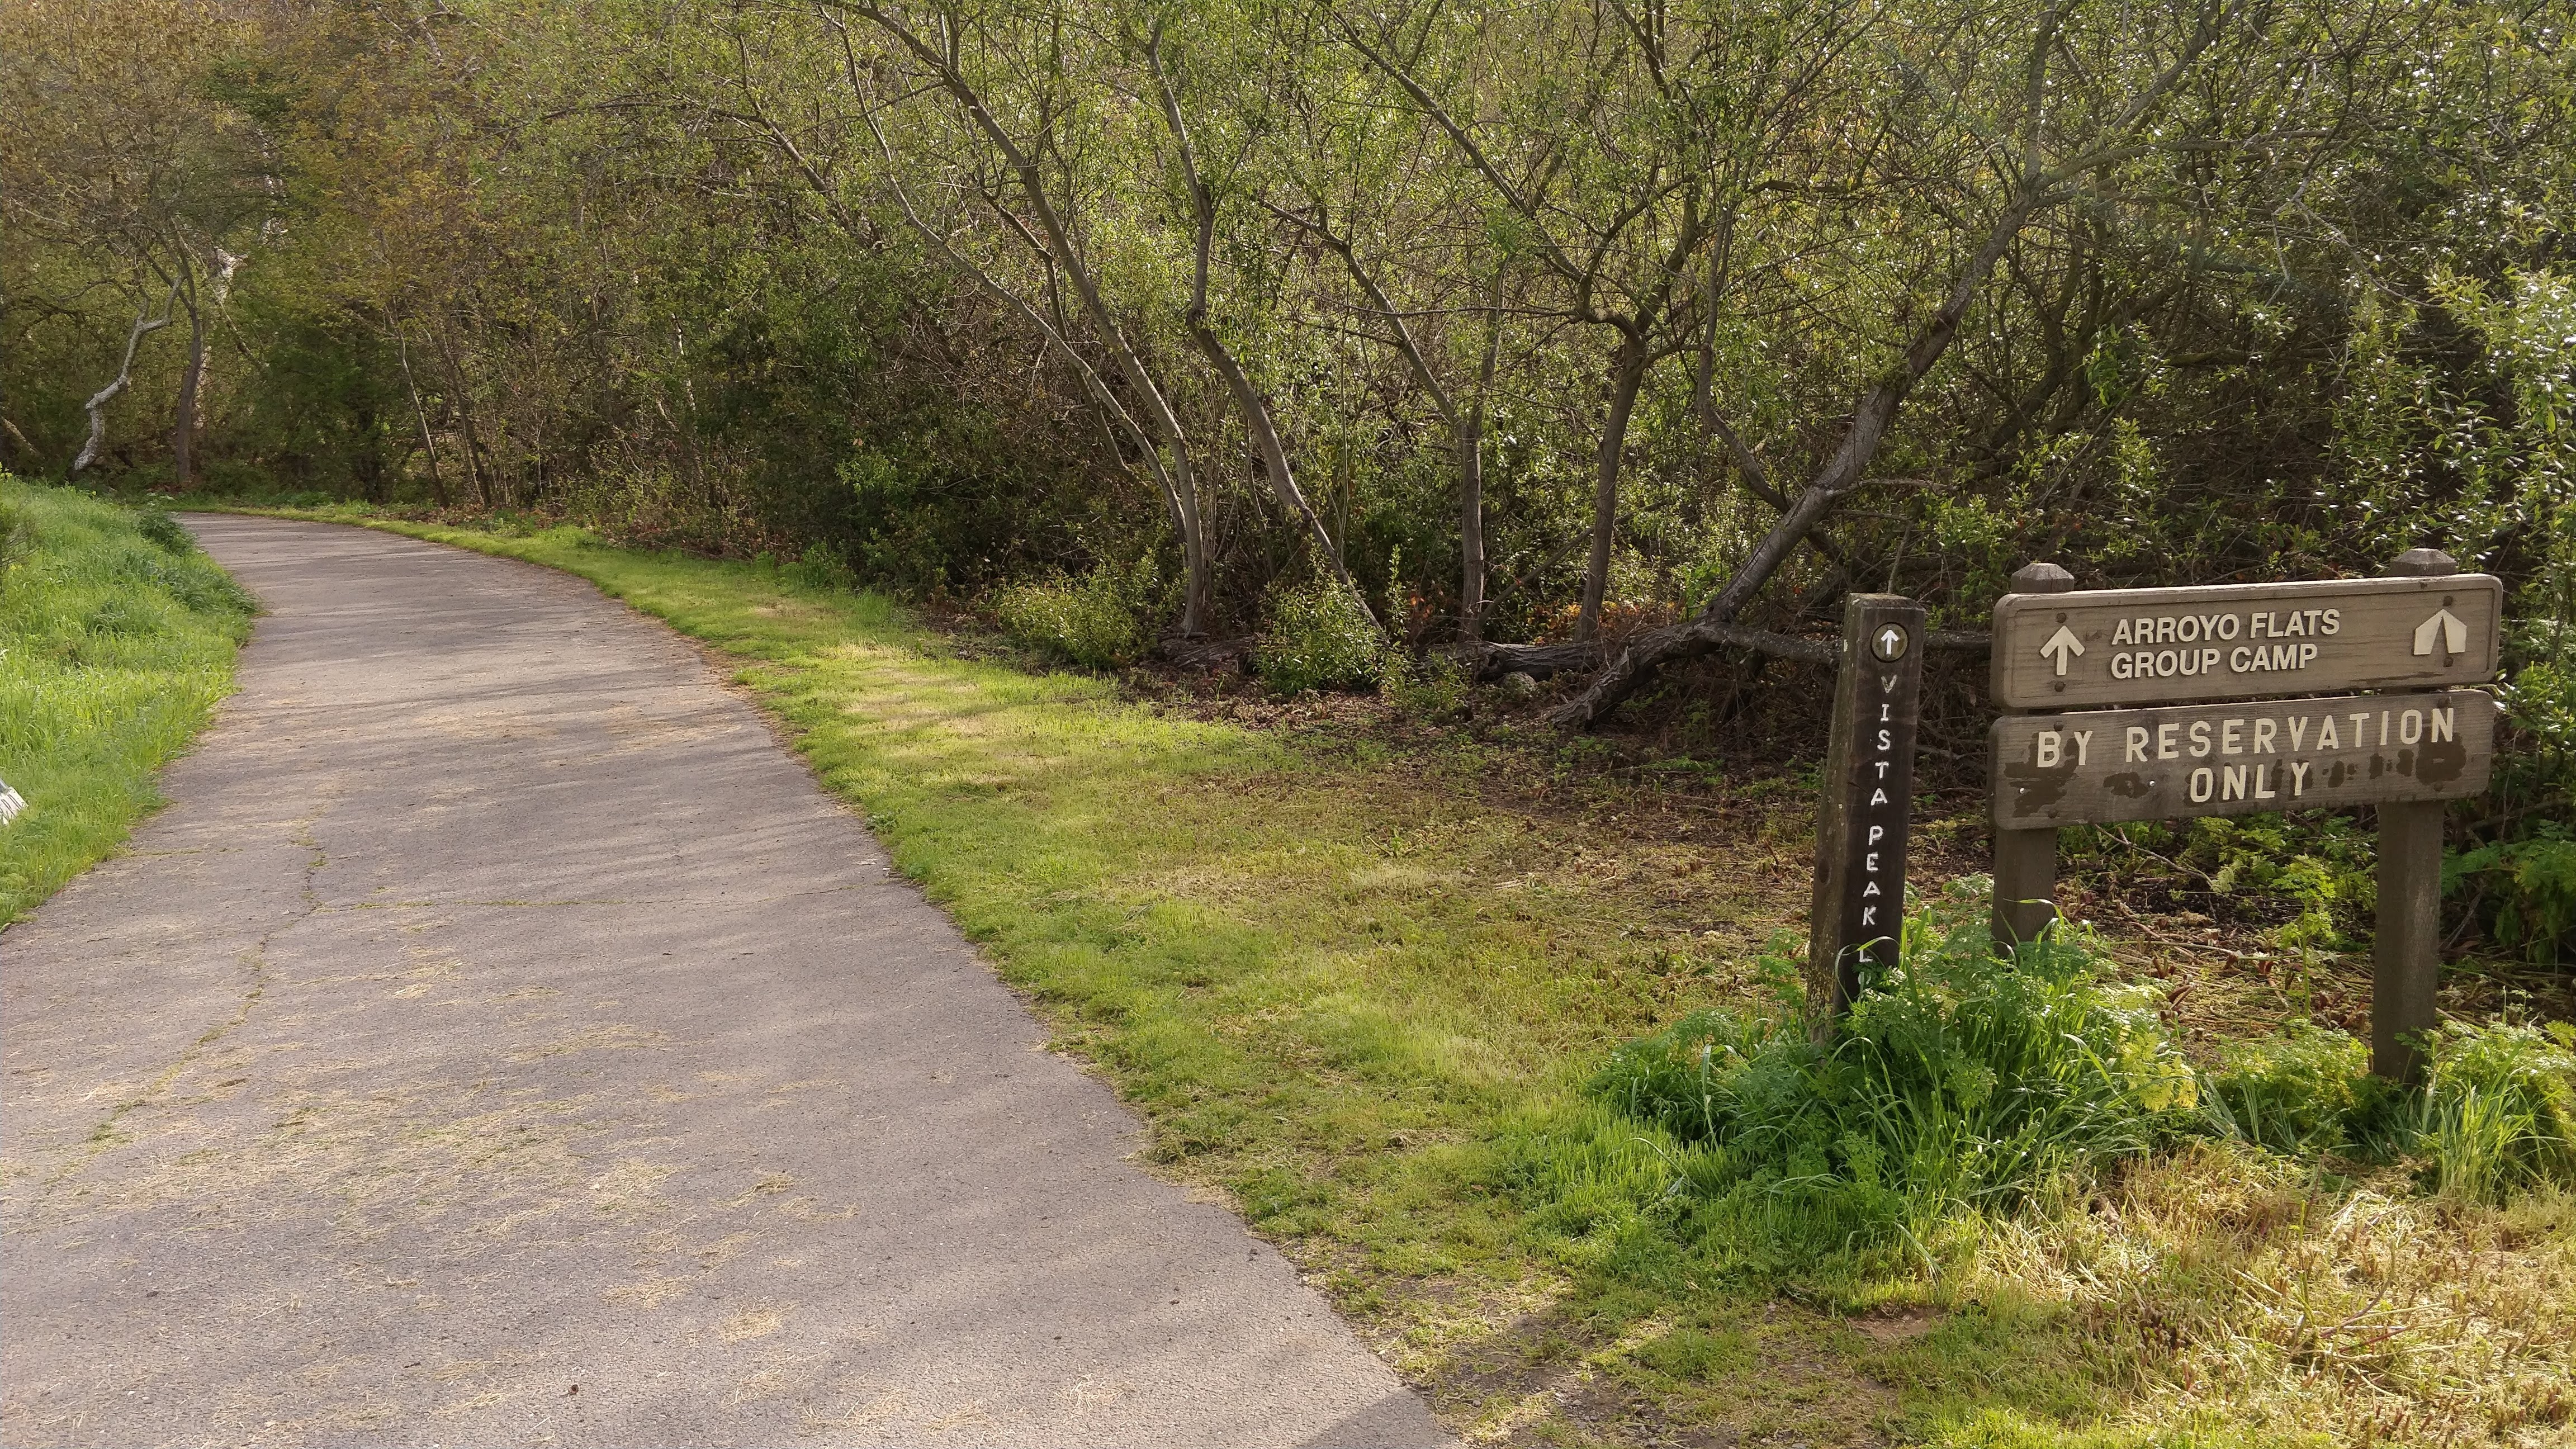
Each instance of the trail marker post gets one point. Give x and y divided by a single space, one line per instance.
1857 919
2026 856
2216 738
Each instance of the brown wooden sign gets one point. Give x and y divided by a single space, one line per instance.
2239 759
1857 919
2244 641
2426 626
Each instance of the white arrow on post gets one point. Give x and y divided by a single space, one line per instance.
2454 632
2063 644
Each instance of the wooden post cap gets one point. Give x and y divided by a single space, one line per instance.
2048 578
2423 563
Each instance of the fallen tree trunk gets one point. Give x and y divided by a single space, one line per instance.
1541 661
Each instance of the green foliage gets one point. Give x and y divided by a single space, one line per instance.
1318 638
1434 687
820 568
114 647
1956 1087
2519 882
17 537
2299 1093
1962 1087
1104 620
2499 1111
2529 887
156 524
2317 870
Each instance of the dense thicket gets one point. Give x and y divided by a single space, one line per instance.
1536 321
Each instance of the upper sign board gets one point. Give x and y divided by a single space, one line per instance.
2244 641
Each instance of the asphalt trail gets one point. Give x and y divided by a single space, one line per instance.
500 1040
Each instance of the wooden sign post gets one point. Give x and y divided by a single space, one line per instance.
1857 921
2402 752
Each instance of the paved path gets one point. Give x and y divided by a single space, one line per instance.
499 1039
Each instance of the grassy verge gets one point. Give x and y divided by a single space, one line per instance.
1372 995
116 642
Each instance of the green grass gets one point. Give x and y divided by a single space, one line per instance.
1355 988
116 642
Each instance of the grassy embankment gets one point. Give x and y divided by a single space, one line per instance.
1367 993
116 642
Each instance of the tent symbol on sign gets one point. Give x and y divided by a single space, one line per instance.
2454 633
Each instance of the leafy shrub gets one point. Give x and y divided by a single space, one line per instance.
1959 1085
1319 638
2528 887
2320 865
820 568
1101 621
2520 881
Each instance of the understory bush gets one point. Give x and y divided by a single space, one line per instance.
1101 621
1319 638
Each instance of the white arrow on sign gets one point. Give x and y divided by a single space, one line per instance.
2064 643
2455 633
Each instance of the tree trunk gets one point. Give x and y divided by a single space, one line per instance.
1471 524
478 464
1274 456
1471 478
428 444
183 431
1841 474
1247 398
1627 376
1182 477
144 325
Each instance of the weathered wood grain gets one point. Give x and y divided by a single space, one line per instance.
1857 918
2240 759
2244 641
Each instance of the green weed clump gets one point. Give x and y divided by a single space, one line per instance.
1958 1087
1962 1088
1319 638
2304 1093
116 641
2498 1113
1099 621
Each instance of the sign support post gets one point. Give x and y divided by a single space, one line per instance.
1858 916
2405 951
2026 860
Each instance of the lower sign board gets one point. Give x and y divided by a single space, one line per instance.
2239 759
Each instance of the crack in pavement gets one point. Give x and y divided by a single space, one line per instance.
254 964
